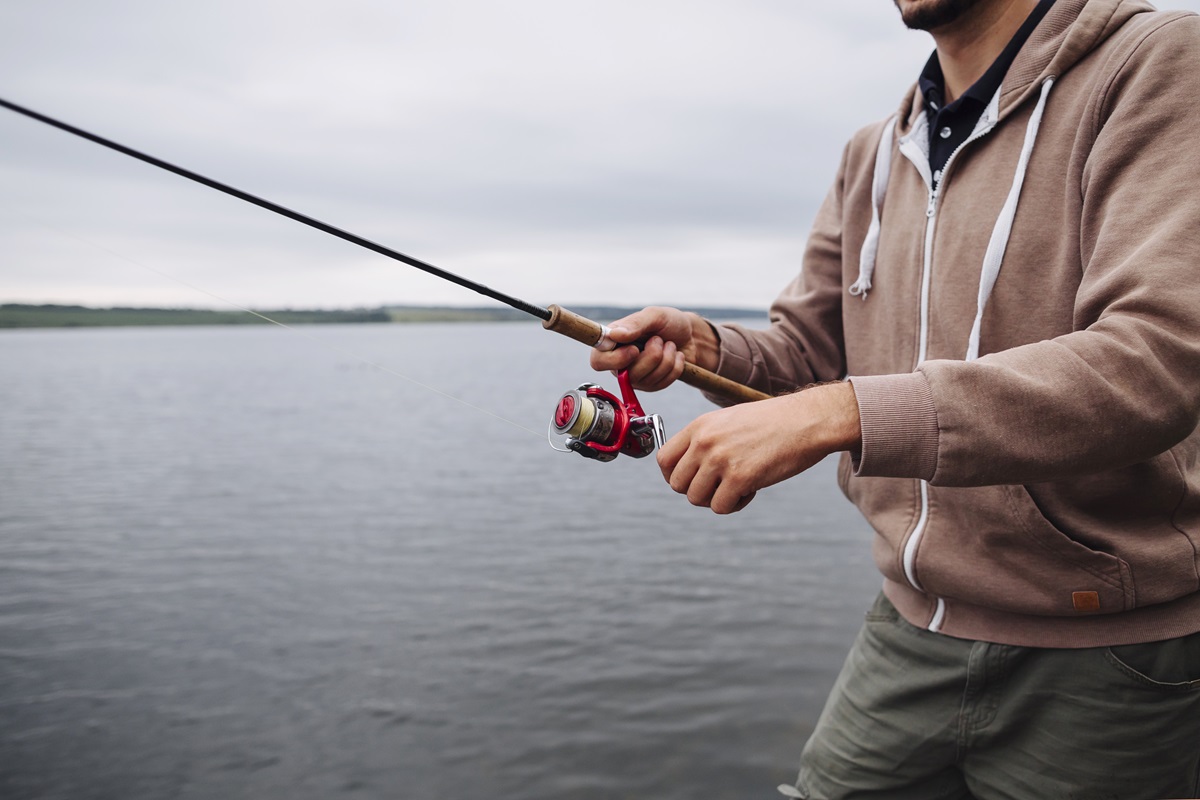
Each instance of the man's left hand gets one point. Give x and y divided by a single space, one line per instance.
722 458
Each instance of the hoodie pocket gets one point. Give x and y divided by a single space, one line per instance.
992 546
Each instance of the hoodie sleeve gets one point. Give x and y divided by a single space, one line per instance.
1124 386
803 344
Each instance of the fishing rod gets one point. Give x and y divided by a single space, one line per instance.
595 423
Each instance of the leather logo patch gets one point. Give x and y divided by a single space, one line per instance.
1086 601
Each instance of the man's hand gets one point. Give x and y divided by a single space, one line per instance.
722 458
669 337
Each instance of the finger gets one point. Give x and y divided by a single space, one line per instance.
671 452
729 497
648 362
744 501
683 476
663 373
614 360
704 485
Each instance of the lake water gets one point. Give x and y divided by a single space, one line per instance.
237 563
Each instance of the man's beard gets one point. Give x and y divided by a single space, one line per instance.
933 14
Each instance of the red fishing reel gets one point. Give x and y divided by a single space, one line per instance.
597 424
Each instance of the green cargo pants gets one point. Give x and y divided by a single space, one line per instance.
919 715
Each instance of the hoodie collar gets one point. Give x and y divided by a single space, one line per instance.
1069 31
932 83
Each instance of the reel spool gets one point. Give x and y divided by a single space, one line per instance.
597 424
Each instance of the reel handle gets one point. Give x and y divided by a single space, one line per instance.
593 334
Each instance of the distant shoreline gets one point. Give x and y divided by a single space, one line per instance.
23 315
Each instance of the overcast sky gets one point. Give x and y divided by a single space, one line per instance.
627 152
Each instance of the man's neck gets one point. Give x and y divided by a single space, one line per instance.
968 46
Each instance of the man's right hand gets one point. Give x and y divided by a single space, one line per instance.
669 337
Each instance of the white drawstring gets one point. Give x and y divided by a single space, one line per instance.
994 257
883 171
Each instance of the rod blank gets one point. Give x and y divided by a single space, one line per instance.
324 227
554 318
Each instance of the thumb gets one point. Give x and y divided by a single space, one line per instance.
638 325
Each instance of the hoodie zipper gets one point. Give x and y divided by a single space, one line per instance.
920 160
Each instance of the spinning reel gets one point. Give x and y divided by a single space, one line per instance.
597 424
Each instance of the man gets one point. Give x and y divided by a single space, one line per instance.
1007 272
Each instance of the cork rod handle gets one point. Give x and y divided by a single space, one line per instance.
584 330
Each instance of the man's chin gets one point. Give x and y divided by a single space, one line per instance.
929 15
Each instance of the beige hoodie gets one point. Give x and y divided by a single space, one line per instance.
1036 482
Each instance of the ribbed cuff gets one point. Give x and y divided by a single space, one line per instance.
736 361
899 426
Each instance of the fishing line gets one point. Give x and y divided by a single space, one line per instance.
317 340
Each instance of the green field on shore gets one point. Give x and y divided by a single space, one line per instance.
20 315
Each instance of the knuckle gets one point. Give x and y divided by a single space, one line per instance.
737 480
706 443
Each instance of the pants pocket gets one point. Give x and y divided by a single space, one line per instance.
1172 665
882 610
